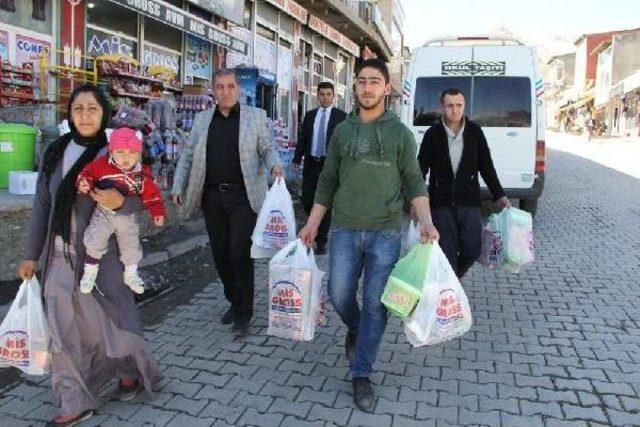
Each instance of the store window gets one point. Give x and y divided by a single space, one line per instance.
247 17
116 19
342 67
35 15
329 69
265 32
317 64
162 46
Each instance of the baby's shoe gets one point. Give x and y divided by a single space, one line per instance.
132 279
88 280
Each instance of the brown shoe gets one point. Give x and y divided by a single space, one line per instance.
67 422
128 392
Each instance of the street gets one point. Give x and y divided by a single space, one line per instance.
556 345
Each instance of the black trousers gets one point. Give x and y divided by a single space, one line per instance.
310 176
230 222
460 231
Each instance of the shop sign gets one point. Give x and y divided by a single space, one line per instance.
235 59
29 49
153 55
99 43
233 10
292 8
184 21
198 57
318 25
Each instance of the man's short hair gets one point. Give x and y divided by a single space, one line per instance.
326 85
452 91
220 72
376 63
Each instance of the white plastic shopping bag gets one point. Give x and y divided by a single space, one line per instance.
443 312
24 337
518 239
507 240
295 284
276 224
412 237
492 252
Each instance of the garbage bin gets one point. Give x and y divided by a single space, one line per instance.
17 150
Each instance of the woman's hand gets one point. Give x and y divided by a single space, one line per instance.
109 198
26 269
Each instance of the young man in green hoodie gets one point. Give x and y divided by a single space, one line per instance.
370 168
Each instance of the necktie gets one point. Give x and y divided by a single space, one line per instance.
320 141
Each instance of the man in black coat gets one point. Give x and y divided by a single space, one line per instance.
317 128
452 153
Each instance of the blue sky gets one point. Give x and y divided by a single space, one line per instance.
427 19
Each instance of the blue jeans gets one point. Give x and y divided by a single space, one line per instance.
352 251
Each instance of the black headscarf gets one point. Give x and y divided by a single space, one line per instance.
66 194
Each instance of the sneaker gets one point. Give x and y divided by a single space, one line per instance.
88 280
363 394
128 392
67 422
133 280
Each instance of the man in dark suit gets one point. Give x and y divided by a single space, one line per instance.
317 128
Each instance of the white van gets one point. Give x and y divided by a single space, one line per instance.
503 87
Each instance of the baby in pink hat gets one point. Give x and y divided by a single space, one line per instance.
120 169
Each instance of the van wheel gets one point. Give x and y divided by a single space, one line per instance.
529 205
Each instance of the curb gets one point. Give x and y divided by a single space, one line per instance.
175 250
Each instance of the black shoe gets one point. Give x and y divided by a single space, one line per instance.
241 327
350 345
78 419
227 317
321 249
363 394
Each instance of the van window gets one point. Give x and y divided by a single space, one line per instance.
496 101
501 101
426 108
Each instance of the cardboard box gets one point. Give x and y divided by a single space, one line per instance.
22 182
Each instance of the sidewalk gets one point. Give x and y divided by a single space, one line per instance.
619 153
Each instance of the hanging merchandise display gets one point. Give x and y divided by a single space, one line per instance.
189 105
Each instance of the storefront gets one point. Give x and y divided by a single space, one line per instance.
180 36
27 31
302 51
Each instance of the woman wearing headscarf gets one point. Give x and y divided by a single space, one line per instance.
95 337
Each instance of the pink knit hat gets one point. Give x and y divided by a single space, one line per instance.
125 139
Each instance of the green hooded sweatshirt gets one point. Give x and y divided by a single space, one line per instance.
369 170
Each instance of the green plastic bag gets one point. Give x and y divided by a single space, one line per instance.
404 286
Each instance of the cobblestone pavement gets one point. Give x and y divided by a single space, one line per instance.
556 345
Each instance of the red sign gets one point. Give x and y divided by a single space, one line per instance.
292 8
334 35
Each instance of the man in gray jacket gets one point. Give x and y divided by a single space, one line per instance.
221 170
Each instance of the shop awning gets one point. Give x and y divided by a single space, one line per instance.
577 104
185 21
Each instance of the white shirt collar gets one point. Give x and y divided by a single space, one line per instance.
450 132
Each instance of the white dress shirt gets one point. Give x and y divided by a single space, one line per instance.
316 126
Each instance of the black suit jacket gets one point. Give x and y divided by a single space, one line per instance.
463 189
305 139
